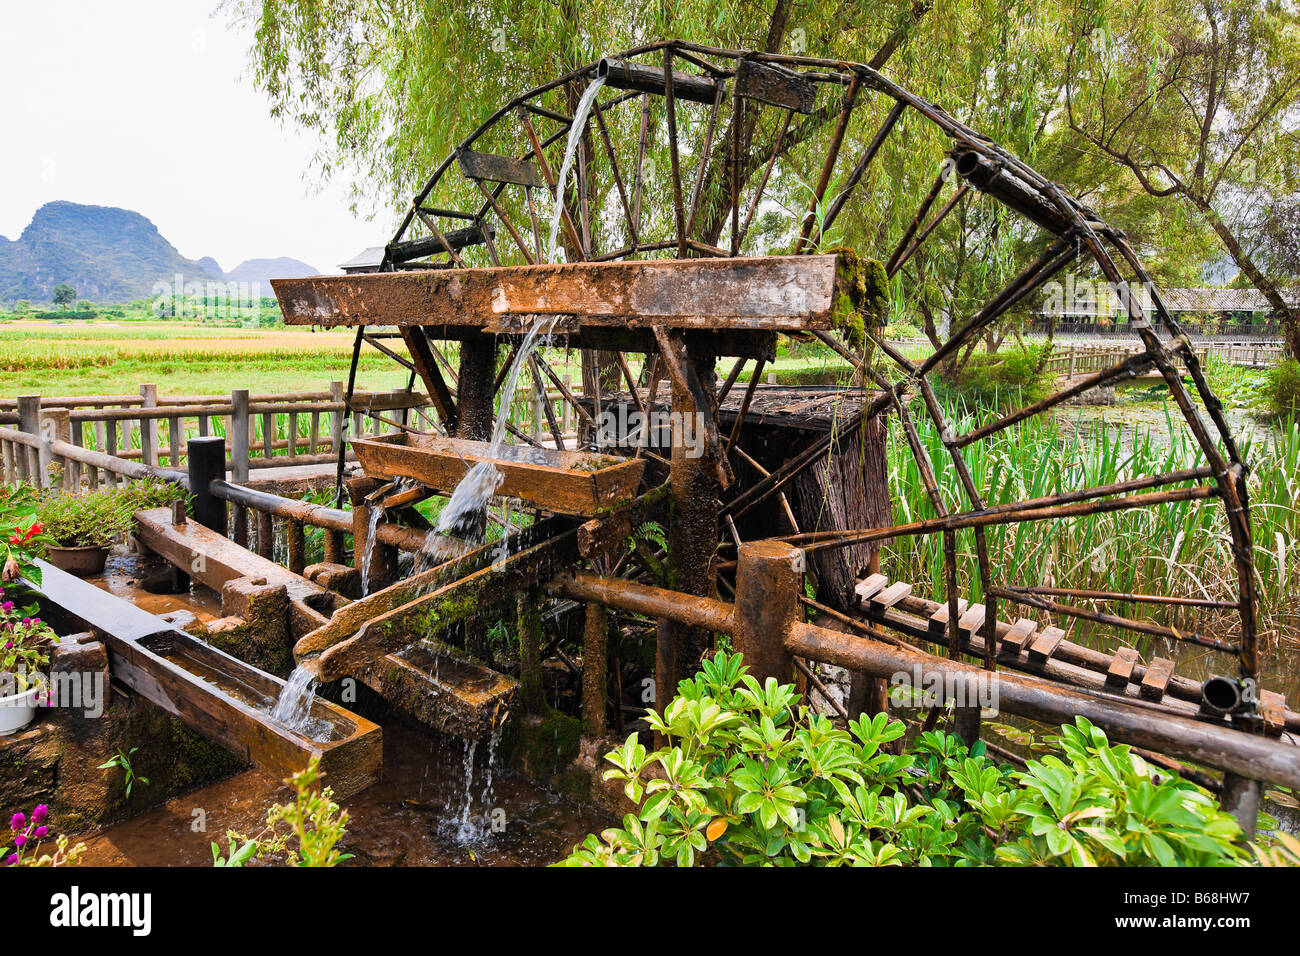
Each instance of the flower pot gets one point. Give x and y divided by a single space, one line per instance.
18 710
79 561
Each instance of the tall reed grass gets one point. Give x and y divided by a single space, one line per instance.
1175 549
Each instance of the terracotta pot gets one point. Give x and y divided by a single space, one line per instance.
79 561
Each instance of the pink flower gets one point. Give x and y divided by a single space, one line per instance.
42 832
13 859
17 822
20 839
40 812
7 606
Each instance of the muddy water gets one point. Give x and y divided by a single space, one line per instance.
123 572
413 817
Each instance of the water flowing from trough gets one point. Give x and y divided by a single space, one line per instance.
293 708
463 517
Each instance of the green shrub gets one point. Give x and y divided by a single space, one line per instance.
748 777
103 517
1007 378
1283 388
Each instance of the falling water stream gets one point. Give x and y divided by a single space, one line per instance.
463 516
293 708
570 151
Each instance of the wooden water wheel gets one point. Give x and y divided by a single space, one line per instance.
699 222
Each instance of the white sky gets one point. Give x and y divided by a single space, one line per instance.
149 105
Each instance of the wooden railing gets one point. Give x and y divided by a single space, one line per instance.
1070 359
261 430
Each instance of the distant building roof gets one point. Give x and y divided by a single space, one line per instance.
367 260
1221 300
1088 300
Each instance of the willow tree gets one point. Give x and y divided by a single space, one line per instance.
1196 99
394 86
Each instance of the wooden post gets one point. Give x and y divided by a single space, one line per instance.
337 396
29 420
595 640
175 440
768 577
56 426
692 534
206 461
1240 797
334 547
239 441
297 547
149 426
266 535
478 359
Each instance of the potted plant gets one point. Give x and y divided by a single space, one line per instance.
24 642
83 528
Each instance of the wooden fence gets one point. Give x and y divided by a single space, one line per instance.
261 430
1070 359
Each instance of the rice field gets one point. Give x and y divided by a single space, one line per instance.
102 358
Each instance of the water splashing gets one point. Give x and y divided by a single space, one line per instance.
463 516
293 708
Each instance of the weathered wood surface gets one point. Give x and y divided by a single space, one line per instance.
775 85
213 559
815 408
499 169
443 688
450 699
426 605
775 293
569 482
431 615
216 694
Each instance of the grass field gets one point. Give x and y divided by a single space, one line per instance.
79 358
103 358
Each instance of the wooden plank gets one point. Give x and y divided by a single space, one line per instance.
938 625
1014 641
1272 712
1120 671
1156 679
499 169
776 293
422 357
430 614
570 482
869 587
775 85
890 596
970 622
1044 646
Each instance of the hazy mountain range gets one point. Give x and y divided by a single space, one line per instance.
112 255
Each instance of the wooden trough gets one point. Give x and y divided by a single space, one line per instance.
216 694
568 482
